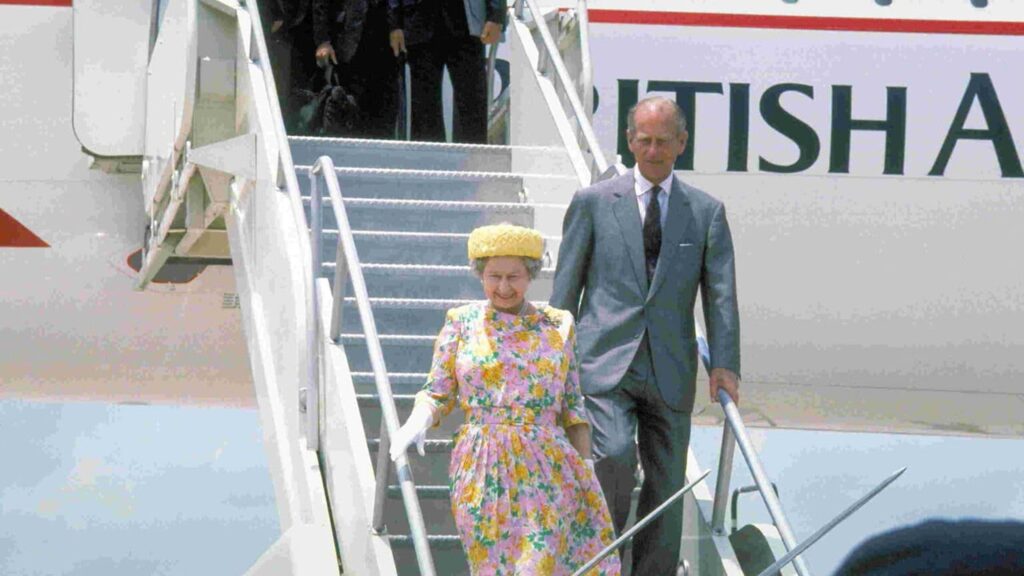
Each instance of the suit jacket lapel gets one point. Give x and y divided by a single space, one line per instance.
678 220
628 216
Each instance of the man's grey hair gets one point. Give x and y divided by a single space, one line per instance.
533 266
656 101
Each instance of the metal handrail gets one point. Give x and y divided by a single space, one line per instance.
286 169
735 433
587 70
492 57
600 163
348 268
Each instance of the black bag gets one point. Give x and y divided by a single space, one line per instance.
330 111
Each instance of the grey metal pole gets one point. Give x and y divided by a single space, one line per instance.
492 56
722 482
774 568
734 422
639 525
728 450
313 311
383 474
732 415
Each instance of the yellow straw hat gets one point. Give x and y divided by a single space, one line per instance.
505 240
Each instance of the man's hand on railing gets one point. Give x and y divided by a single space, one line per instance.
325 55
397 40
725 379
491 33
413 431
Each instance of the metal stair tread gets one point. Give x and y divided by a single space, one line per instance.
413 303
444 269
440 540
400 377
407 339
430 446
410 145
424 303
438 492
419 236
416 173
374 399
435 204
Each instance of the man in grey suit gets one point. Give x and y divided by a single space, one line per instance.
634 251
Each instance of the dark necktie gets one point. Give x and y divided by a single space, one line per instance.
652 232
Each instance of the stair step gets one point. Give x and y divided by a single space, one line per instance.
439 540
421 281
429 248
439 155
362 378
396 247
390 339
400 154
373 400
429 446
404 315
424 492
420 184
420 205
449 559
398 355
429 215
414 303
423 316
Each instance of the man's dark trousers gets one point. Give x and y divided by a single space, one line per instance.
663 435
463 55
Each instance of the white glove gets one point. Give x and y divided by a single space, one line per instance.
413 431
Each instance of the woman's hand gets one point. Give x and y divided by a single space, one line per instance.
414 431
579 437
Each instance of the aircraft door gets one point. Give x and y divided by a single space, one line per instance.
112 41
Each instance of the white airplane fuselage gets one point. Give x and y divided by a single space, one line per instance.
73 326
870 166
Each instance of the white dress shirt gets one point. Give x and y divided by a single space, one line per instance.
642 186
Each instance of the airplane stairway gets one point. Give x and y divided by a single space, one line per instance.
220 177
412 206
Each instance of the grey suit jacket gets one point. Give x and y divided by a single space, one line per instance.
601 279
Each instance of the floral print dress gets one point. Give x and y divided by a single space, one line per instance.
524 501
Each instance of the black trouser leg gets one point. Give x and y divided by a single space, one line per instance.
467 68
426 69
663 438
372 77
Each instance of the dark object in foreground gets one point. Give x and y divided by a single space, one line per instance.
941 548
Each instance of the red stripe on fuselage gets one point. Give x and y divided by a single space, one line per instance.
54 3
805 22
14 234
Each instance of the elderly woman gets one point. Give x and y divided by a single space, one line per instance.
524 494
